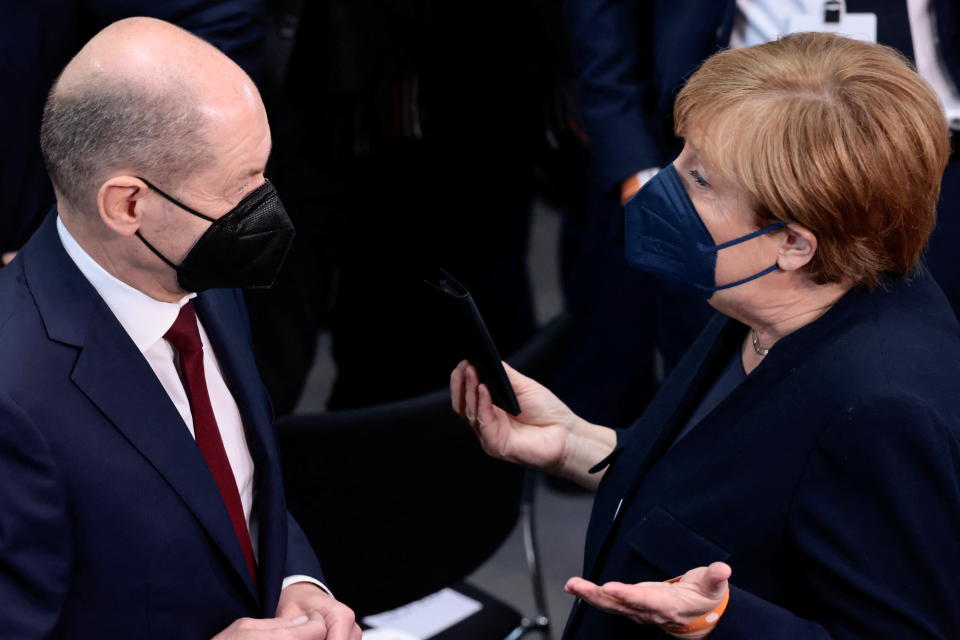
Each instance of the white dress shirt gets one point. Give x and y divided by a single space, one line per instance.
759 21
146 320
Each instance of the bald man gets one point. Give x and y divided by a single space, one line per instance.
141 491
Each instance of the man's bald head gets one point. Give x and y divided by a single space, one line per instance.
145 97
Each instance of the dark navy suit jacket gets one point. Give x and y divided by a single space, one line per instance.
829 479
634 56
111 525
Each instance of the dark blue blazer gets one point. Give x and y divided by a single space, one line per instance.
38 38
829 479
110 523
633 56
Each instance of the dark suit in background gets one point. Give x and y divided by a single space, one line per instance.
633 57
38 38
828 479
112 525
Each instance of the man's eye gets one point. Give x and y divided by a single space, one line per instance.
698 178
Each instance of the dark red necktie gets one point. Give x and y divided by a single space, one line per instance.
185 338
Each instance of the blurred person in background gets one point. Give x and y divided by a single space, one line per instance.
796 476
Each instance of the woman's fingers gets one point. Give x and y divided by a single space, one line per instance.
513 374
472 401
488 422
658 602
518 381
647 601
594 595
486 413
470 396
458 387
456 381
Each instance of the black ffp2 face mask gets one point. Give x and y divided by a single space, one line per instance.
244 248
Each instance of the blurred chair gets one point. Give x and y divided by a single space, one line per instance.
400 501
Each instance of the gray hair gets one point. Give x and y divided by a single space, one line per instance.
105 125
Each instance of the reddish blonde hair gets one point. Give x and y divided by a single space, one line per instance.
838 135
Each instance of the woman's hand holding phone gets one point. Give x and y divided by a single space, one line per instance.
546 434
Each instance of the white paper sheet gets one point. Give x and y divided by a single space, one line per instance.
428 616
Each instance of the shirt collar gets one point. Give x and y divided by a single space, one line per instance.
145 319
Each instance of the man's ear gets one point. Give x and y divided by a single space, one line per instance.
117 202
797 247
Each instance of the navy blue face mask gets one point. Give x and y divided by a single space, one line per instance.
666 237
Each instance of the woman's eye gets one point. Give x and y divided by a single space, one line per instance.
698 178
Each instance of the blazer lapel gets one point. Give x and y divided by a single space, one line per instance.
221 315
647 440
672 406
115 376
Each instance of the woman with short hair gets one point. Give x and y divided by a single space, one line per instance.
798 474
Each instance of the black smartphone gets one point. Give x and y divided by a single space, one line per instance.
473 341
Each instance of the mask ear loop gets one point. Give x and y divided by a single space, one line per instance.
176 267
156 252
736 241
177 202
750 236
769 269
152 248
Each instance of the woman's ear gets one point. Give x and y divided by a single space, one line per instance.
117 203
798 245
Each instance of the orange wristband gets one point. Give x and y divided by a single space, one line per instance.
707 620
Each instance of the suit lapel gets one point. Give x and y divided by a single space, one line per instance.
112 373
218 311
221 315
